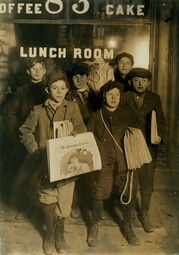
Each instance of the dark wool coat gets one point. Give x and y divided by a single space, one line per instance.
125 82
20 105
15 113
38 128
143 115
87 106
117 122
113 160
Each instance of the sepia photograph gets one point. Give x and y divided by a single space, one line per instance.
89 127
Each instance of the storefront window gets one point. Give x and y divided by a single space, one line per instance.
85 41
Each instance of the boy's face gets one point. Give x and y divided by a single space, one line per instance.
37 72
113 98
140 84
124 65
79 80
57 91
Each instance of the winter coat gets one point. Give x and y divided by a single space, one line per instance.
125 82
117 122
21 103
86 105
143 115
38 128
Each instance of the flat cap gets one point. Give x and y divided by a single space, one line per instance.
111 85
124 55
139 72
79 68
57 76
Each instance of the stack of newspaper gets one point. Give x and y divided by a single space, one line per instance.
136 149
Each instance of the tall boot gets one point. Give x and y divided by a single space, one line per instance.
93 234
60 242
144 218
48 239
126 226
93 227
143 212
129 234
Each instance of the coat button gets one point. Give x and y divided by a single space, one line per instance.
105 139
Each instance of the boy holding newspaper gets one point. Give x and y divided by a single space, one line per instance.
56 197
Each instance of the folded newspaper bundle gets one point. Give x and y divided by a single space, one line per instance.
136 149
154 131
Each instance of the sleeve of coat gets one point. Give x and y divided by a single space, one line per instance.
78 123
27 130
160 117
91 123
10 114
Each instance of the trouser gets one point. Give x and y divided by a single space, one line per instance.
22 189
13 160
61 196
102 182
146 183
101 188
126 209
82 196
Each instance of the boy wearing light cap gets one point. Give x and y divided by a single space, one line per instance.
142 102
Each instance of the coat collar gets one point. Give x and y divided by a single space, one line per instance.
133 104
47 103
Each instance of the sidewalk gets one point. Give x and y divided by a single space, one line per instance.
22 238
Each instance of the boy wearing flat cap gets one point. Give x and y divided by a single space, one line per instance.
142 103
124 63
80 91
55 198
86 99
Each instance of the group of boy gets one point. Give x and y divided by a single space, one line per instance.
36 105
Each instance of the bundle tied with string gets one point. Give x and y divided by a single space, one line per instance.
136 149
137 154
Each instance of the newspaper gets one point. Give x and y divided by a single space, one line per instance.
72 155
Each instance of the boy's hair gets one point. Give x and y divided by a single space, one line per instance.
30 62
79 68
139 72
126 55
57 76
110 85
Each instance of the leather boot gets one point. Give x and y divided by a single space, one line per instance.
144 218
60 242
48 240
124 214
128 233
93 234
